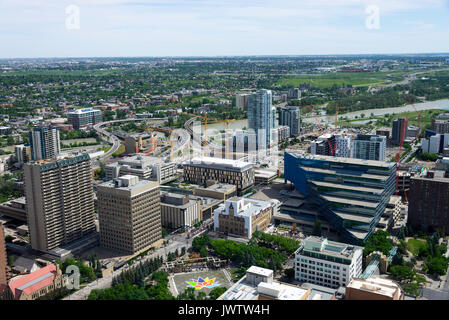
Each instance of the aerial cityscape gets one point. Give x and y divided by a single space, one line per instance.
240 177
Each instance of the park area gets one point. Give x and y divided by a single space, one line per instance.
201 280
414 245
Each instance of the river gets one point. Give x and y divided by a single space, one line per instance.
437 104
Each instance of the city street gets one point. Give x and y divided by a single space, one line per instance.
177 242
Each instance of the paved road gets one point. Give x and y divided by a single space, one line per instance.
177 242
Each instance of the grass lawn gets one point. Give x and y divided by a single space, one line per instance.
414 245
338 78
120 150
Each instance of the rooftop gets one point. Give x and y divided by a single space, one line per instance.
243 290
244 207
81 111
333 248
33 282
374 163
220 163
375 285
260 271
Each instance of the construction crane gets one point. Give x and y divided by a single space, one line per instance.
322 129
419 116
398 155
336 117
211 120
148 128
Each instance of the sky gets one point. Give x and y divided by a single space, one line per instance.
141 28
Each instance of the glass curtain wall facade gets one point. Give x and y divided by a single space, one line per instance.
351 194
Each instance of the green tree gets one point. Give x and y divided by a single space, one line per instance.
215 293
317 229
436 266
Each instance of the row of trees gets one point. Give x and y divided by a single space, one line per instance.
137 275
276 242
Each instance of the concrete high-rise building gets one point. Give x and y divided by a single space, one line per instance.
343 146
399 130
327 263
428 208
82 118
291 116
60 202
241 101
262 116
440 125
369 147
130 214
3 261
45 143
23 154
294 93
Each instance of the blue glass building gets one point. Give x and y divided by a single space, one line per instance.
351 194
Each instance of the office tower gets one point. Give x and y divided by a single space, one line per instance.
262 116
3 261
351 194
60 202
82 118
291 116
327 263
130 214
204 169
428 208
45 143
23 154
241 101
399 130
369 147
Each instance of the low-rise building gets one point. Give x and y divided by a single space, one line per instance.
258 284
179 211
221 191
15 208
145 143
373 288
328 263
264 176
36 284
144 167
242 216
203 169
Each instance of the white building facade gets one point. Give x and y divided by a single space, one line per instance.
327 263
